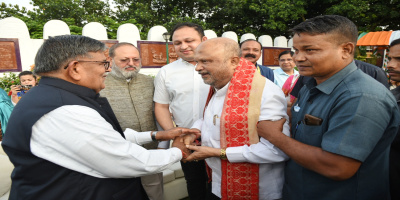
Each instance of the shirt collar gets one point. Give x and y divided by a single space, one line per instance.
186 62
222 91
329 85
281 72
68 86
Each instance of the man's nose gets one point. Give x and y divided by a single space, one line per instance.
198 67
184 45
297 57
131 61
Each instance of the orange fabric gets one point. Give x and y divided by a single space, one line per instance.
239 180
380 38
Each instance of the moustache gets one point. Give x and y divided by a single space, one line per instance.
249 55
130 67
392 71
203 73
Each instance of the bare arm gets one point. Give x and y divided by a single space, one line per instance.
328 164
163 115
202 152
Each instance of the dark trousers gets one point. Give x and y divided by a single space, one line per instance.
196 179
210 195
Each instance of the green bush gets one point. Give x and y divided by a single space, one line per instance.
7 80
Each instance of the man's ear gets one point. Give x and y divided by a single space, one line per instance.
75 70
235 61
204 38
348 49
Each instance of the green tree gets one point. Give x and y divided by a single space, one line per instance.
11 11
260 17
76 13
369 15
149 13
272 17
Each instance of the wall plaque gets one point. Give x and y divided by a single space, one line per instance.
271 54
10 58
108 43
153 54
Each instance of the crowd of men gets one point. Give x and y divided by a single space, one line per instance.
88 130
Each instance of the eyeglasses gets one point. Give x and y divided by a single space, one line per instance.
105 63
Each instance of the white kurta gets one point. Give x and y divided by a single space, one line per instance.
87 143
270 158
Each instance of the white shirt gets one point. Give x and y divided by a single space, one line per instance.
270 158
79 138
179 85
280 76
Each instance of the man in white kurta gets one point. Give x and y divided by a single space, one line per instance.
273 107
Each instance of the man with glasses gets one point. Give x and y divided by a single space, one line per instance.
64 139
130 94
286 68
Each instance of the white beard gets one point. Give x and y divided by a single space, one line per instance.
121 73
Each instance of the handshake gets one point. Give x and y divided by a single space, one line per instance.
184 139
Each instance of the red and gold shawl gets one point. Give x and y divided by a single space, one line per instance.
239 119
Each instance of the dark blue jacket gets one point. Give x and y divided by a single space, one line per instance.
266 72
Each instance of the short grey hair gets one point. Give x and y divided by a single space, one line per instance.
111 51
57 51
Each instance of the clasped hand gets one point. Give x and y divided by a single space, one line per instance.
192 149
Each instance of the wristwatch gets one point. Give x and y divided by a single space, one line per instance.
153 136
223 154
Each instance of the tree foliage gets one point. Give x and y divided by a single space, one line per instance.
260 17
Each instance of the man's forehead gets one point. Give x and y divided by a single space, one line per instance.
315 38
126 49
132 52
251 43
185 33
394 50
207 50
186 37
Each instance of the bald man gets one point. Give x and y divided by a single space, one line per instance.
230 144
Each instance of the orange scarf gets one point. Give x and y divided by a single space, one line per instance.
239 119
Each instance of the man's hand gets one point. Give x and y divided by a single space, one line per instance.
189 139
202 152
268 129
15 89
175 132
179 144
